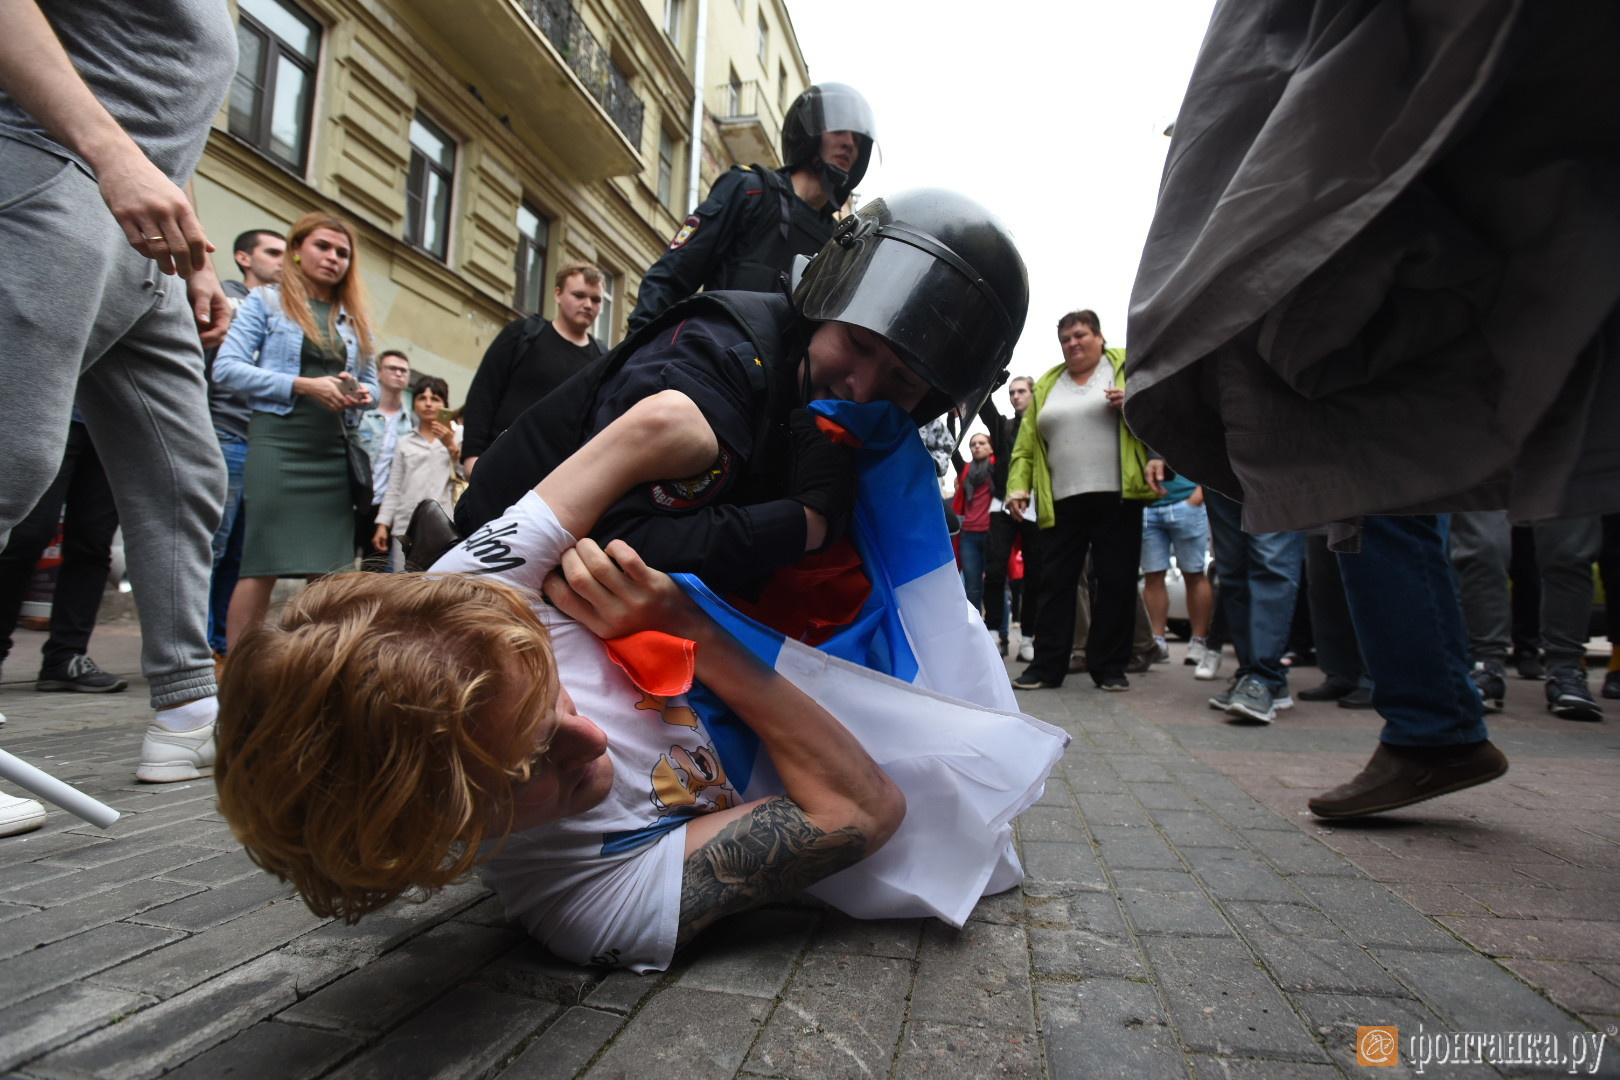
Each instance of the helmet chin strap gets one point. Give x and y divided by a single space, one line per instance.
834 182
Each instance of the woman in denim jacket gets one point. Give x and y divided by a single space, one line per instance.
301 353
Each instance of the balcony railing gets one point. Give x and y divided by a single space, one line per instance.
567 32
746 100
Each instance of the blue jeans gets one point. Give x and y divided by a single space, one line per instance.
227 540
972 547
1259 575
1409 624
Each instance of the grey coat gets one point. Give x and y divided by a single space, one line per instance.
1384 269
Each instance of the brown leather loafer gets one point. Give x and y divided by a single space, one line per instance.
1402 775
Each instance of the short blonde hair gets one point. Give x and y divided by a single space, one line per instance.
354 757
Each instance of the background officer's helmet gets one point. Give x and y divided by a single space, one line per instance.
822 108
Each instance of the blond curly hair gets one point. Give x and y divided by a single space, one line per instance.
357 756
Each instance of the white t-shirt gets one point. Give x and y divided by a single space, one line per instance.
603 887
1082 436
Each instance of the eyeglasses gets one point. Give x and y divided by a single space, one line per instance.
397 370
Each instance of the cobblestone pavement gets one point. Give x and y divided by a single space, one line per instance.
1182 917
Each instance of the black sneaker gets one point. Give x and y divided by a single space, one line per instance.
1114 683
1027 681
1568 696
1527 662
81 674
1490 679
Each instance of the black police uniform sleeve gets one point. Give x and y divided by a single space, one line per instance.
488 388
681 271
694 526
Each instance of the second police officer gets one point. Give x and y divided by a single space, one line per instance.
746 233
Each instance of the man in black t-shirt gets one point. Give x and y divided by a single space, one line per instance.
530 358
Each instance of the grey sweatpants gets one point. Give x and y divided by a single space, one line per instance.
80 310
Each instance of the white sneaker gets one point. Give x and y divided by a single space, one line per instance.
169 756
1195 652
1161 651
1209 665
1026 650
19 815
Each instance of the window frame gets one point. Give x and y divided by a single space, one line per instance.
602 328
675 22
274 49
527 242
416 219
764 39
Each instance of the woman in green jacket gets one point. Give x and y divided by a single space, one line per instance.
1089 478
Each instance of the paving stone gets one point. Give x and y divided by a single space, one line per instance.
269 1051
48 1020
1099 809
1294 852
72 958
751 953
899 938
530 970
1541 939
1335 1017
1574 986
1222 1001
1070 863
622 991
220 904
1174 913
1307 952
683 1034
1471 992
217 870
1535 902
1238 875
384 930
1059 824
1195 828
39 927
1095 913
487 912
186 837
1206 1067
1129 848
382 993
173 968
1372 915
1157 881
840 1016
47 843
146 821
1169 795
464 1034
1078 953
1089 776
935 1049
1104 1028
171 1033
978 975
564 1047
1437 900
1135 767
60 888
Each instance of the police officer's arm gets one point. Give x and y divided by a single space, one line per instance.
692 258
484 395
839 807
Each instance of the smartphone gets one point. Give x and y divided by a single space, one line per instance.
447 416
350 384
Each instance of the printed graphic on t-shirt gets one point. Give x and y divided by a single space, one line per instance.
687 779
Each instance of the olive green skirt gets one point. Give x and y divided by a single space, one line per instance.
295 493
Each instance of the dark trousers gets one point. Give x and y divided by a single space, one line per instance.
1109 529
1337 653
998 549
87 532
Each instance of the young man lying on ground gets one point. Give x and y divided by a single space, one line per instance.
384 730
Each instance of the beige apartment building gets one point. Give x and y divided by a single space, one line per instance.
480 144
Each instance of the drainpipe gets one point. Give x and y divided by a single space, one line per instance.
694 172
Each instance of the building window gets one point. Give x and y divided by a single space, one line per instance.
534 233
734 95
666 168
275 79
604 318
764 38
427 187
674 20
781 87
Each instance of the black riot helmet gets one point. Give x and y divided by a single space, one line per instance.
936 276
822 108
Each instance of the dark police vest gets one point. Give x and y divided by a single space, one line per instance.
551 429
790 227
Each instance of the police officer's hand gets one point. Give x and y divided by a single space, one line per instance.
823 475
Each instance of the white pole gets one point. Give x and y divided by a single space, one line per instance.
694 172
51 789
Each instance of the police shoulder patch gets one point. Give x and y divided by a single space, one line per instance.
692 491
686 232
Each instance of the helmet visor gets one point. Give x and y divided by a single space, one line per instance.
844 109
943 322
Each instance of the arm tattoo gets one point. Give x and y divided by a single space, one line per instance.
770 854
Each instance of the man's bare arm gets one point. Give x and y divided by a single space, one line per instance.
36 71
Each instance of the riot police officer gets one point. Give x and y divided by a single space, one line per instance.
918 299
756 219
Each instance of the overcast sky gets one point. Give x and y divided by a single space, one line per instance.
1050 113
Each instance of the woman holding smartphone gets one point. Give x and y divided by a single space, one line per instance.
425 463
302 354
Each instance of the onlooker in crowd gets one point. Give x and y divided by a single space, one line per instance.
1481 542
1089 477
1260 575
1007 527
976 500
756 220
258 253
82 501
531 357
1524 578
379 434
424 464
301 351
1345 679
102 120
1177 523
